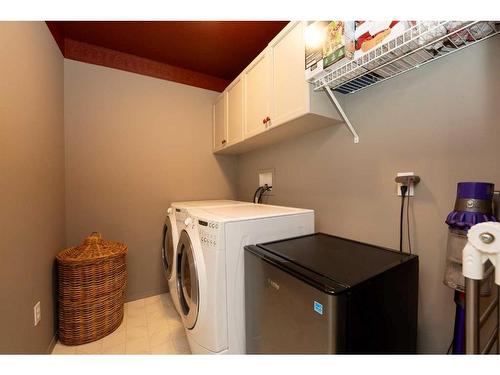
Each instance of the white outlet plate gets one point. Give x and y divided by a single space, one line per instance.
37 313
266 177
411 188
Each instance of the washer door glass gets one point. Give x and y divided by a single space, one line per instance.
187 281
167 248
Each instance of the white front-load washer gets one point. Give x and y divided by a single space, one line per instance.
210 269
174 223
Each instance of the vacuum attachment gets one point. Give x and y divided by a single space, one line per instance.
473 205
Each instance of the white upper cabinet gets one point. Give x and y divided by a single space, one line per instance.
292 96
271 100
258 94
219 122
235 111
290 89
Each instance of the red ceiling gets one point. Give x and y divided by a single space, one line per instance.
216 48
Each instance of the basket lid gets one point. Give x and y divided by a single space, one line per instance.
93 247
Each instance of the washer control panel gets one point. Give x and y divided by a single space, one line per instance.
209 234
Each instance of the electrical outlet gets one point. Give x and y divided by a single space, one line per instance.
37 312
411 189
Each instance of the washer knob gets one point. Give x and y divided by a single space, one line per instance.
169 211
188 221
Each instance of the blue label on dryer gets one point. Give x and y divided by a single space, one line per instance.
318 307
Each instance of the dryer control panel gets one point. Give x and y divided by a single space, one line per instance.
180 217
209 234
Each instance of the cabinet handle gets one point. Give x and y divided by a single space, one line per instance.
264 121
223 142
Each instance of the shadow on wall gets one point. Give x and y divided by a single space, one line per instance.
490 69
303 154
55 301
228 164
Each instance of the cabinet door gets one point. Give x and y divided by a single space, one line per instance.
235 111
219 122
290 89
257 94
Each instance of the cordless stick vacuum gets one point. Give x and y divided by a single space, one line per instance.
473 205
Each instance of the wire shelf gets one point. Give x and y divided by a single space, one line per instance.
422 43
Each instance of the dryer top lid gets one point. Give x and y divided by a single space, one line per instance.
249 211
206 203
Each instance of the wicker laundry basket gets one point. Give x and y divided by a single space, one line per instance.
92 279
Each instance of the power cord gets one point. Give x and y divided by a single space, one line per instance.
266 188
450 347
408 222
404 189
257 197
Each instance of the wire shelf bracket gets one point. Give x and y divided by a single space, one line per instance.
332 97
419 45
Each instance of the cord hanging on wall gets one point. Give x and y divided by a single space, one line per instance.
408 223
407 181
404 189
257 197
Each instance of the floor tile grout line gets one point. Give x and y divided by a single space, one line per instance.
153 310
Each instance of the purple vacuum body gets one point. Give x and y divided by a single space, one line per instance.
473 205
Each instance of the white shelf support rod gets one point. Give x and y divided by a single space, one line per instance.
332 97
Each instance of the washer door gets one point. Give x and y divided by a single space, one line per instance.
167 248
187 281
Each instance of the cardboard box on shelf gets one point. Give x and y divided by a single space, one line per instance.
328 44
339 42
314 35
370 34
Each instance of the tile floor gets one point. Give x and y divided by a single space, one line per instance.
150 326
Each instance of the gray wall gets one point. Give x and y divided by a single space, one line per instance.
31 182
441 121
133 145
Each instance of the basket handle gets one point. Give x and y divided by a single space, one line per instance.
94 237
